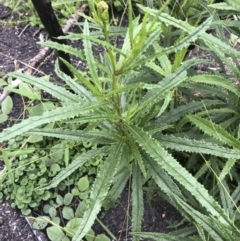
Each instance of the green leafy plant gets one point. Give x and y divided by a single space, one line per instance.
27 13
28 166
34 167
139 108
72 219
6 104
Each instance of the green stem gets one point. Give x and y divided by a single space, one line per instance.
115 84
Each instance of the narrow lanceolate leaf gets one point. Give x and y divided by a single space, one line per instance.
200 231
168 84
207 38
236 196
123 173
225 198
221 6
179 173
126 88
212 225
217 81
194 33
66 48
99 191
234 3
119 182
82 78
196 146
138 158
162 179
61 113
133 59
227 168
73 166
137 200
92 38
182 111
89 54
94 136
76 87
159 236
215 131
56 91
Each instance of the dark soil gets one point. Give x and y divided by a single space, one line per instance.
17 47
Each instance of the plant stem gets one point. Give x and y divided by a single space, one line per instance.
115 84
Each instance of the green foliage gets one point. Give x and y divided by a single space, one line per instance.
33 167
27 13
135 116
73 219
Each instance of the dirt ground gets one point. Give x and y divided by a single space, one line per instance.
17 47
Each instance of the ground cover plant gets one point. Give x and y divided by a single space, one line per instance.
138 106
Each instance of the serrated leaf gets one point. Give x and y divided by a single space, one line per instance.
196 146
137 200
76 87
167 84
159 236
212 225
126 48
179 173
56 91
214 130
61 113
222 6
207 38
77 135
236 195
227 168
119 182
89 54
99 190
78 162
216 80
62 47
156 68
166 102
234 3
194 33
182 111
138 159
135 59
77 36
162 179
85 80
